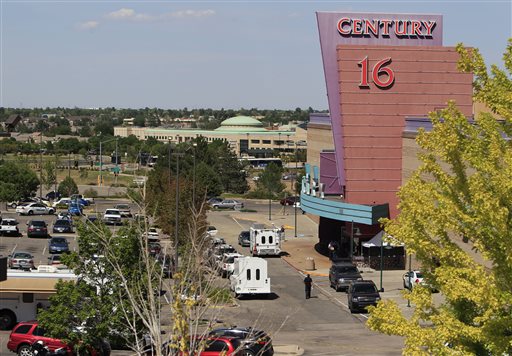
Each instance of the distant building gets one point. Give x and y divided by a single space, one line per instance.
11 122
245 135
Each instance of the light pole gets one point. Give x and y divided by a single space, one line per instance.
410 285
382 259
194 145
41 164
295 190
101 158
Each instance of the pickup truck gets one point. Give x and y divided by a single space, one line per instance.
112 217
9 227
81 199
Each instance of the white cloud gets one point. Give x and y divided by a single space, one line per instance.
87 25
121 14
132 15
192 13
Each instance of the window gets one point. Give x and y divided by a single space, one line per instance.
266 142
27 297
217 345
248 274
270 239
255 141
257 274
22 329
38 331
262 240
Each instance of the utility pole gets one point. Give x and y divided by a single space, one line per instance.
295 189
41 164
117 162
177 212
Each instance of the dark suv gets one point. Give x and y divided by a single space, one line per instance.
362 294
341 274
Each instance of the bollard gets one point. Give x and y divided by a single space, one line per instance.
310 264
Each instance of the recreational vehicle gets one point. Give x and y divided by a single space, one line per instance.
23 293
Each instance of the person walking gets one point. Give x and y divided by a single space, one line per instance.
307 286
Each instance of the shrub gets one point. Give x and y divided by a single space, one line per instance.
90 193
68 187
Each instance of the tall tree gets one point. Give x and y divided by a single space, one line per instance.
18 181
270 181
456 216
49 174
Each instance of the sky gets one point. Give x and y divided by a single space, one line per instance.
196 54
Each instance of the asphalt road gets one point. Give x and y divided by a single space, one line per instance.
322 325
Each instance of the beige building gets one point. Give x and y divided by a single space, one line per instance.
245 135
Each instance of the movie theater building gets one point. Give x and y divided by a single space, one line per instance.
384 73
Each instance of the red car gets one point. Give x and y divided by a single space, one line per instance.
26 333
225 346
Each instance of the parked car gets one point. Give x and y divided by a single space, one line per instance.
212 231
244 238
290 200
362 294
228 204
76 209
217 252
37 228
152 235
64 215
25 201
255 342
214 200
21 260
92 218
63 225
62 202
26 333
34 209
9 226
52 195
412 279
342 274
154 248
225 345
81 199
289 176
58 245
112 217
166 262
55 260
124 209
227 264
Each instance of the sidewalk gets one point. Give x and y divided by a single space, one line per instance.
298 249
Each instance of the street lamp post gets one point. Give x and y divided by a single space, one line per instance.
382 259
101 158
410 285
41 164
194 145
295 190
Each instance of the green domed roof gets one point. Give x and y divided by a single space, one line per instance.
241 123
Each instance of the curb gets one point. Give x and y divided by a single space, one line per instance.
288 350
312 273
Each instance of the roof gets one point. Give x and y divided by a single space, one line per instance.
241 123
13 119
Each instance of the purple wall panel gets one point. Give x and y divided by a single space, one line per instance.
330 38
328 173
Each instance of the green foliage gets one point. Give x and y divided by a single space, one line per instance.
462 191
270 181
49 174
18 181
91 193
67 187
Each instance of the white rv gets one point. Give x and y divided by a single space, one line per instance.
23 293
265 241
250 277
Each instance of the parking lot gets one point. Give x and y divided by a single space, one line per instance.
38 247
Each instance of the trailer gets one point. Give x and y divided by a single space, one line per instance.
25 292
265 241
250 277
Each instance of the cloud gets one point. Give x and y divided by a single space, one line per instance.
132 15
87 25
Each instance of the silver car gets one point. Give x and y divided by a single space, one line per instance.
228 204
21 260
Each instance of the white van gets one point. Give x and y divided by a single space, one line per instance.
250 277
265 241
